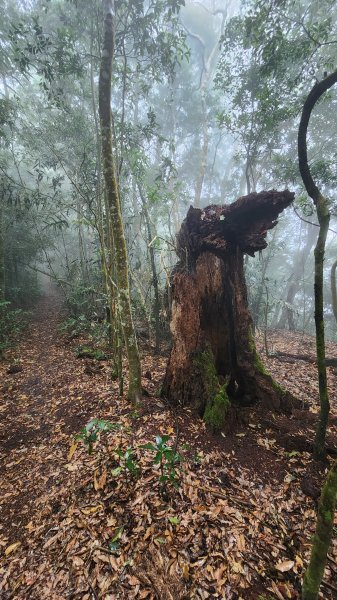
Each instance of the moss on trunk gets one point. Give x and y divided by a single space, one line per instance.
217 403
322 538
114 205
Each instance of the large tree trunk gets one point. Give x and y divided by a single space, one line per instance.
214 362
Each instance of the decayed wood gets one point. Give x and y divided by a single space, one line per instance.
243 223
213 347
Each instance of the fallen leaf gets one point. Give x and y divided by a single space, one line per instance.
12 548
90 509
72 450
284 566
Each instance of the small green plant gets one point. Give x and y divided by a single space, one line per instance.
114 542
165 456
128 464
197 458
91 432
168 460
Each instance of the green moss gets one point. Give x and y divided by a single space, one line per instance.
322 538
204 364
258 364
327 517
215 398
216 409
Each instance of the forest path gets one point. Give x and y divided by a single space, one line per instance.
218 532
41 406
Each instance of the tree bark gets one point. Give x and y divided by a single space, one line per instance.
333 289
322 538
114 204
214 362
155 280
323 215
2 256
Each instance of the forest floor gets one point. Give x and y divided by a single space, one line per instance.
78 525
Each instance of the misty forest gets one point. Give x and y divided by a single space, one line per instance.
168 299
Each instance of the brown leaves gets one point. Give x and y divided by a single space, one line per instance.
238 525
12 548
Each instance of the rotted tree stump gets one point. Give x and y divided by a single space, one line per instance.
214 363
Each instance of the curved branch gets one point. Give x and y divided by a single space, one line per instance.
317 91
323 215
310 222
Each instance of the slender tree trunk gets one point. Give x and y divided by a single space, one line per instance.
256 305
204 155
287 313
156 307
114 204
322 538
2 256
333 289
323 216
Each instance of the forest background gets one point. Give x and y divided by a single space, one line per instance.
206 102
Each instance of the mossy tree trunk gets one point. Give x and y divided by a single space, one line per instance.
214 361
322 538
323 215
114 203
2 257
334 289
155 280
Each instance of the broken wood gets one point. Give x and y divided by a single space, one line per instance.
214 362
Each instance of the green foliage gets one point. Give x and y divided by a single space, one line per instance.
168 460
269 52
52 55
128 464
12 323
83 302
164 457
87 352
90 434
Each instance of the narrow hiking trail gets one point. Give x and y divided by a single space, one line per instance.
41 405
237 527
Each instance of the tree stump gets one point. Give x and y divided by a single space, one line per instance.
214 363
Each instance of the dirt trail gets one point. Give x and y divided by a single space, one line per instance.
40 407
58 516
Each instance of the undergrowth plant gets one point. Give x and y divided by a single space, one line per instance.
90 434
128 464
165 458
12 323
168 459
